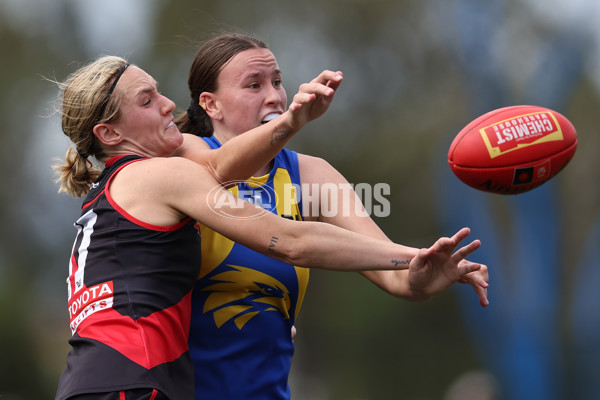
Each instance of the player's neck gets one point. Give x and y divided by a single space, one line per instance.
223 137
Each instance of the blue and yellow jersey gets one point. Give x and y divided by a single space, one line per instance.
245 303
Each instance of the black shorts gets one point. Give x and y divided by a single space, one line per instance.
132 394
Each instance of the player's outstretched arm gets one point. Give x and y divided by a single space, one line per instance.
316 171
244 154
190 190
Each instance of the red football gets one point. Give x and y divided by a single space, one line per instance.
512 150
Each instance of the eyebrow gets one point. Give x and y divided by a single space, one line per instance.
148 88
260 73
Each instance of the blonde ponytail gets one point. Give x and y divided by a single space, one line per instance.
76 174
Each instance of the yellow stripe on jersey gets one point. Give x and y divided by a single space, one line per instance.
216 247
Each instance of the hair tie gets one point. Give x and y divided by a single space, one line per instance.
190 112
82 154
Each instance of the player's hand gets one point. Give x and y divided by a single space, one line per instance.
314 98
479 280
434 269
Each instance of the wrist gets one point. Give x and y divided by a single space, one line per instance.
283 128
419 295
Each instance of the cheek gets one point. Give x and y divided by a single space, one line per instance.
241 110
178 140
171 143
244 122
283 95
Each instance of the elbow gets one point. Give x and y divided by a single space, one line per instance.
299 256
226 176
291 252
222 177
291 248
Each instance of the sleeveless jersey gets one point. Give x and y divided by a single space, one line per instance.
129 299
245 303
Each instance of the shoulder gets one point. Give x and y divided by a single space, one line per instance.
157 163
161 171
162 179
311 163
151 189
191 144
316 169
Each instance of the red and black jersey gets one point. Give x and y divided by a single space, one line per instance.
129 290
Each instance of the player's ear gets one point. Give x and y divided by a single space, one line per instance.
106 134
209 103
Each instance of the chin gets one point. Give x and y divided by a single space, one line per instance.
175 143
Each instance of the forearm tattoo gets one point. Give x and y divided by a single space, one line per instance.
278 136
400 262
273 243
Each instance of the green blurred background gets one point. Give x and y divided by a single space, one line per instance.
402 101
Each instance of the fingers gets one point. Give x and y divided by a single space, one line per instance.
334 81
301 99
482 294
316 89
323 85
478 279
448 245
466 268
466 251
329 78
461 235
444 245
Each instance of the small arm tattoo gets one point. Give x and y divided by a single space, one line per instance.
273 243
400 262
278 136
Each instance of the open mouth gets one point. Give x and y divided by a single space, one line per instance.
270 117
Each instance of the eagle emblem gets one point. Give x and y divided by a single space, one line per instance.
243 293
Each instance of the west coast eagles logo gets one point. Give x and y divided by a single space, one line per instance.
242 293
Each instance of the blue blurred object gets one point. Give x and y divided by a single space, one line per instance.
585 321
520 337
